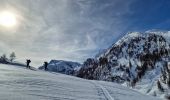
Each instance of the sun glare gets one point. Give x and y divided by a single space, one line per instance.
7 19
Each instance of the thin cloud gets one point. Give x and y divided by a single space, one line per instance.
64 29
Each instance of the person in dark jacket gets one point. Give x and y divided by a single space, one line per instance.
28 63
45 65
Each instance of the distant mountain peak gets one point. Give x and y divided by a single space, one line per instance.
62 66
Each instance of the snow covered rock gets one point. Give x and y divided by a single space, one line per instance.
135 60
61 66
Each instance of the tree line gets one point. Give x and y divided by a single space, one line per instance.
9 59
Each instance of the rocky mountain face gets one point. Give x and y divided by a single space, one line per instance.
61 66
135 58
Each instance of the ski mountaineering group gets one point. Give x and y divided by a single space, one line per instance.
28 61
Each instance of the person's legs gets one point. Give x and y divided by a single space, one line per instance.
27 65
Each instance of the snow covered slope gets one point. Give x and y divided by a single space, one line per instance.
61 66
22 84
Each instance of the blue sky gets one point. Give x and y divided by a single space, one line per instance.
76 29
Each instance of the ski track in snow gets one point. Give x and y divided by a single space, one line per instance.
103 90
107 94
18 83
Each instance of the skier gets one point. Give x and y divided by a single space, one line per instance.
28 63
45 65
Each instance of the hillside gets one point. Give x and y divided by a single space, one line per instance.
137 60
18 83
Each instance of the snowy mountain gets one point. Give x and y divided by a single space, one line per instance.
61 66
137 60
18 83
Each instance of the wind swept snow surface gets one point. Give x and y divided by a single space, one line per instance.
21 84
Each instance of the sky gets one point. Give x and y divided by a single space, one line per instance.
76 29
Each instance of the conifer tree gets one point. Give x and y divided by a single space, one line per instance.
12 56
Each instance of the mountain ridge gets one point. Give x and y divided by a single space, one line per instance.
136 57
62 66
